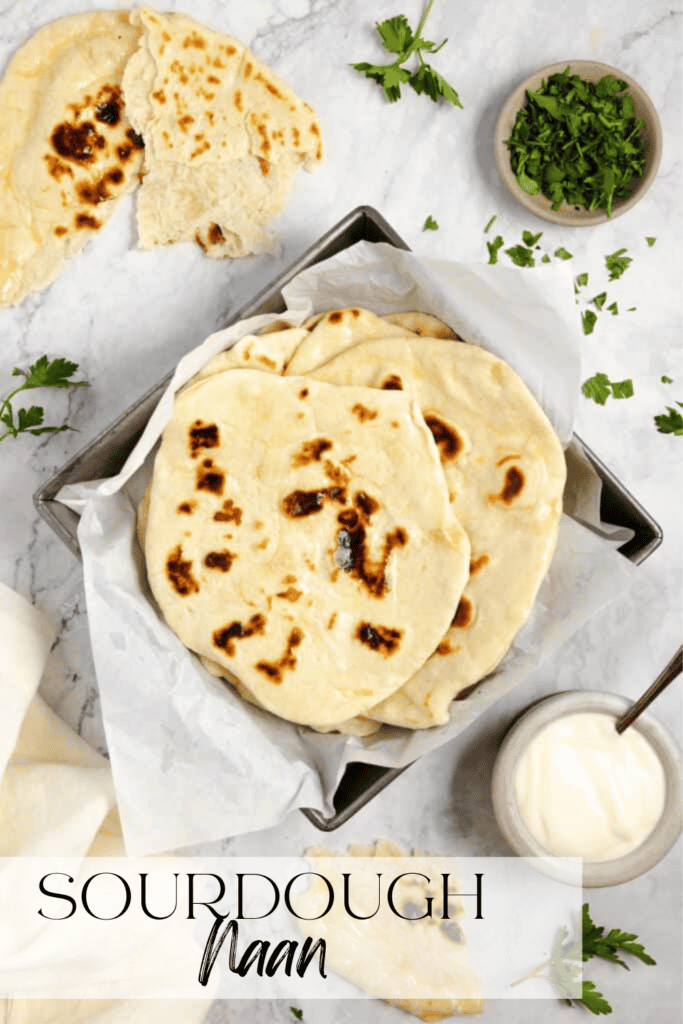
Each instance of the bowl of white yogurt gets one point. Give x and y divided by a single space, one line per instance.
566 784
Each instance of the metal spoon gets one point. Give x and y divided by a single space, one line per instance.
667 675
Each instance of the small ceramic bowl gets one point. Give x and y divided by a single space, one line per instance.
590 71
506 809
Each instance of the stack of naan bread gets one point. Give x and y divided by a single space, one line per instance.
95 105
350 520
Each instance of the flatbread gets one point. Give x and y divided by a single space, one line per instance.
505 471
300 535
333 332
224 137
69 153
384 955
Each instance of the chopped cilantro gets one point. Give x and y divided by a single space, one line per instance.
667 380
617 263
299 1014
582 280
588 320
600 387
650 240
430 225
545 259
531 239
613 309
671 423
600 299
493 248
490 222
563 254
578 142
521 256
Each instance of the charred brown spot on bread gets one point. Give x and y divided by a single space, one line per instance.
216 235
135 140
507 458
352 553
274 670
272 89
512 486
336 317
363 413
463 614
84 221
365 504
311 451
195 40
447 439
444 648
210 477
94 192
478 563
266 361
184 122
383 639
109 105
186 507
202 435
290 594
57 168
303 393
224 638
221 560
60 230
228 513
331 621
212 80
179 573
159 95
338 475
299 504
77 142
264 166
392 383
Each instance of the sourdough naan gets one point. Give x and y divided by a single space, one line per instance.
505 472
68 152
300 535
224 137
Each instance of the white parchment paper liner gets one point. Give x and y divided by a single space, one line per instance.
192 762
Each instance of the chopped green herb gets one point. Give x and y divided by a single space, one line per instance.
43 374
617 263
588 320
299 1014
600 387
490 222
578 142
493 248
631 309
563 254
607 946
667 380
531 239
671 423
650 240
545 259
600 299
582 280
521 256
430 225
613 309
398 38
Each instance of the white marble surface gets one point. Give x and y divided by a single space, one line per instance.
126 316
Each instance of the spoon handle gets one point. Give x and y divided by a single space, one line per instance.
666 676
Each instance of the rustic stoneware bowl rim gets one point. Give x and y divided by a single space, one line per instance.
597 873
567 215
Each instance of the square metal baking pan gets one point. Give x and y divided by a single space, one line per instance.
106 454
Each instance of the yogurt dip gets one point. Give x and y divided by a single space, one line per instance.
584 790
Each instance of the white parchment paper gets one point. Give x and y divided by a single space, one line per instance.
193 762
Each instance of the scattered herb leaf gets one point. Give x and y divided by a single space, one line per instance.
600 299
613 309
577 142
42 374
582 280
430 225
617 263
671 423
299 1014
600 387
667 380
493 248
521 256
398 38
531 239
490 222
563 254
546 259
650 240
588 320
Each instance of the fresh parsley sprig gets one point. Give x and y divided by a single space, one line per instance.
42 374
398 38
600 387
670 422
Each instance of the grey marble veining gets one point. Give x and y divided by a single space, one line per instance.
126 316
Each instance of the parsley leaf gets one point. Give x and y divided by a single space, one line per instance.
600 387
613 309
650 240
299 1014
581 280
493 248
531 239
617 263
398 38
671 424
563 254
593 1000
430 224
521 256
600 299
667 380
42 374
490 223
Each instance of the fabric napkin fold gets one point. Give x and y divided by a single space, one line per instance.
57 799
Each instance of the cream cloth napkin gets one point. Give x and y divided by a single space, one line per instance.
57 799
